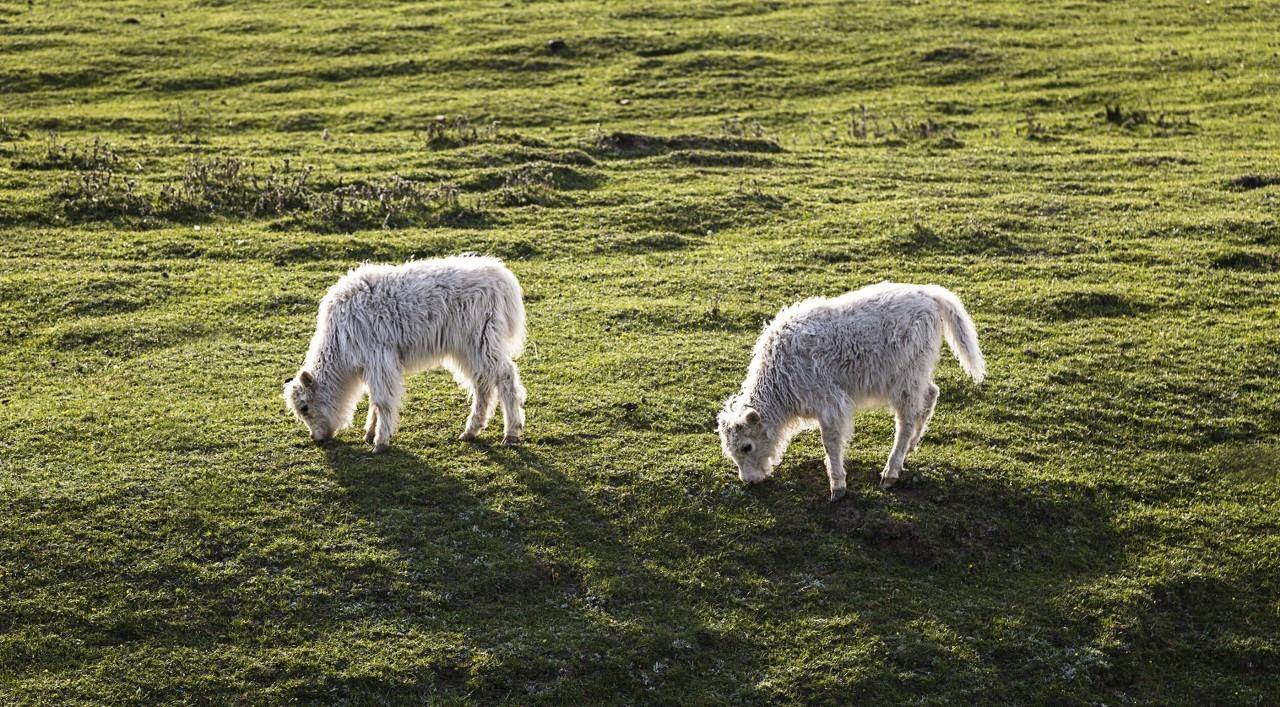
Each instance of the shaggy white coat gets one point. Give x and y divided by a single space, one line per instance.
380 323
821 359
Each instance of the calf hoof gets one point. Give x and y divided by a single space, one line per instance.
887 482
511 440
837 494
468 436
380 448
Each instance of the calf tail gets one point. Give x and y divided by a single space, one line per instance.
958 330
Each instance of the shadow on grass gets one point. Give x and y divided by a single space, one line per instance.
947 518
555 589
553 599
953 578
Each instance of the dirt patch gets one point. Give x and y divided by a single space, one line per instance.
981 240
703 158
1161 160
621 144
1246 261
951 55
1249 182
1090 305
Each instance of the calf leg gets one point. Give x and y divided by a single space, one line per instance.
371 422
836 430
386 391
905 415
512 394
926 414
482 403
835 436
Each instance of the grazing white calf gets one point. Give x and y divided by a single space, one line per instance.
820 359
380 323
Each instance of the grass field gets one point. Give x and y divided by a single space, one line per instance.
1097 523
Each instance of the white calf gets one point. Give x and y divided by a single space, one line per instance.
380 323
822 358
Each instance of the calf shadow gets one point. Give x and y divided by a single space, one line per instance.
945 517
502 542
506 544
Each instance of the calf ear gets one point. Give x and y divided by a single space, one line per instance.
306 379
752 416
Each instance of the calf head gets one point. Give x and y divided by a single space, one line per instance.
747 441
303 399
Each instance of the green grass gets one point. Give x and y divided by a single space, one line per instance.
1095 524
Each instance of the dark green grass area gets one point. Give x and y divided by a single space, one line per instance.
1097 523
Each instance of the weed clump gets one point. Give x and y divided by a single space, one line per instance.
527 184
102 194
738 128
186 126
227 186
8 134
392 203
230 187
863 125
1162 123
458 131
1033 129
59 154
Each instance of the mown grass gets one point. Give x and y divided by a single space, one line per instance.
1096 524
